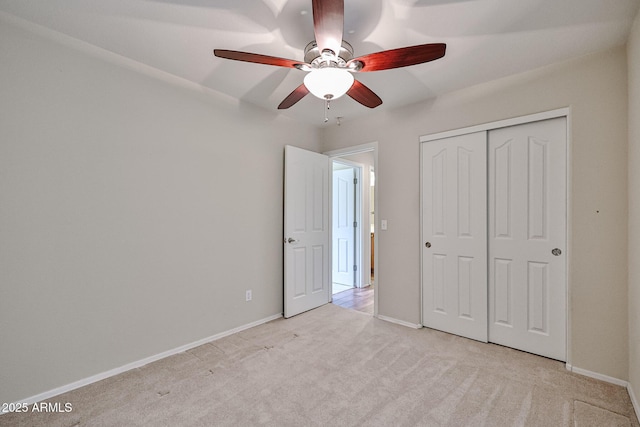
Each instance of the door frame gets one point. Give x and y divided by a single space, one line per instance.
358 170
356 149
545 115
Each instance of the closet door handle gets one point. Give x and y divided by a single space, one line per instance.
556 251
427 245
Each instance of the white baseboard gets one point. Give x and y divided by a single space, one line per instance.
139 363
399 322
597 376
634 400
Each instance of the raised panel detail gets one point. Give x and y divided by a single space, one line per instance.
343 203
502 191
439 284
538 295
343 255
439 171
502 292
299 198
318 182
300 272
465 282
464 192
538 194
318 273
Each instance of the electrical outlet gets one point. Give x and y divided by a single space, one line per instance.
248 295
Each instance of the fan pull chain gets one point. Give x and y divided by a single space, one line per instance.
326 110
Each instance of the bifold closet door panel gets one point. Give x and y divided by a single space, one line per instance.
527 237
454 244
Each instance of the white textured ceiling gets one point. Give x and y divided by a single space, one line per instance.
486 40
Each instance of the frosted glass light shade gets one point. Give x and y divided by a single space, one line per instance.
329 83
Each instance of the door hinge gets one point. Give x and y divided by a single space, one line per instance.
355 224
355 268
355 181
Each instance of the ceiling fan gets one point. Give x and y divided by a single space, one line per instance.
329 60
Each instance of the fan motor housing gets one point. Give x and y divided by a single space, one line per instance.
313 56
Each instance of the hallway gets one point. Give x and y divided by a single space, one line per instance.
359 299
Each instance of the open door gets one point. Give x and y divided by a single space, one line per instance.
306 230
344 226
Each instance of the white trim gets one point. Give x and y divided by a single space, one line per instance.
347 163
139 363
634 400
597 376
399 322
421 231
568 233
362 148
560 112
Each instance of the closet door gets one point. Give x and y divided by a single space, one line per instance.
527 237
454 227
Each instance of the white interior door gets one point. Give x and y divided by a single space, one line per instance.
527 228
454 245
344 230
306 231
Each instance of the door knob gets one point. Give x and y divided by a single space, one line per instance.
556 252
427 245
291 240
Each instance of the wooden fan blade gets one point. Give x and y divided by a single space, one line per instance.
328 24
295 96
256 58
402 57
364 95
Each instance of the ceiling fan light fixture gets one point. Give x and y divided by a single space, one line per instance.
329 82
329 60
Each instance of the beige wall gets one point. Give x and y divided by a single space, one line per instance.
595 88
133 214
125 200
633 52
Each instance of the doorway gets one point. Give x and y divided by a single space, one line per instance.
355 289
346 224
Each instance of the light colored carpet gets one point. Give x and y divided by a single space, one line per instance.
586 415
293 373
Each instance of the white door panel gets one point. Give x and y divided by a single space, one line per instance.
527 211
454 251
344 232
306 231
